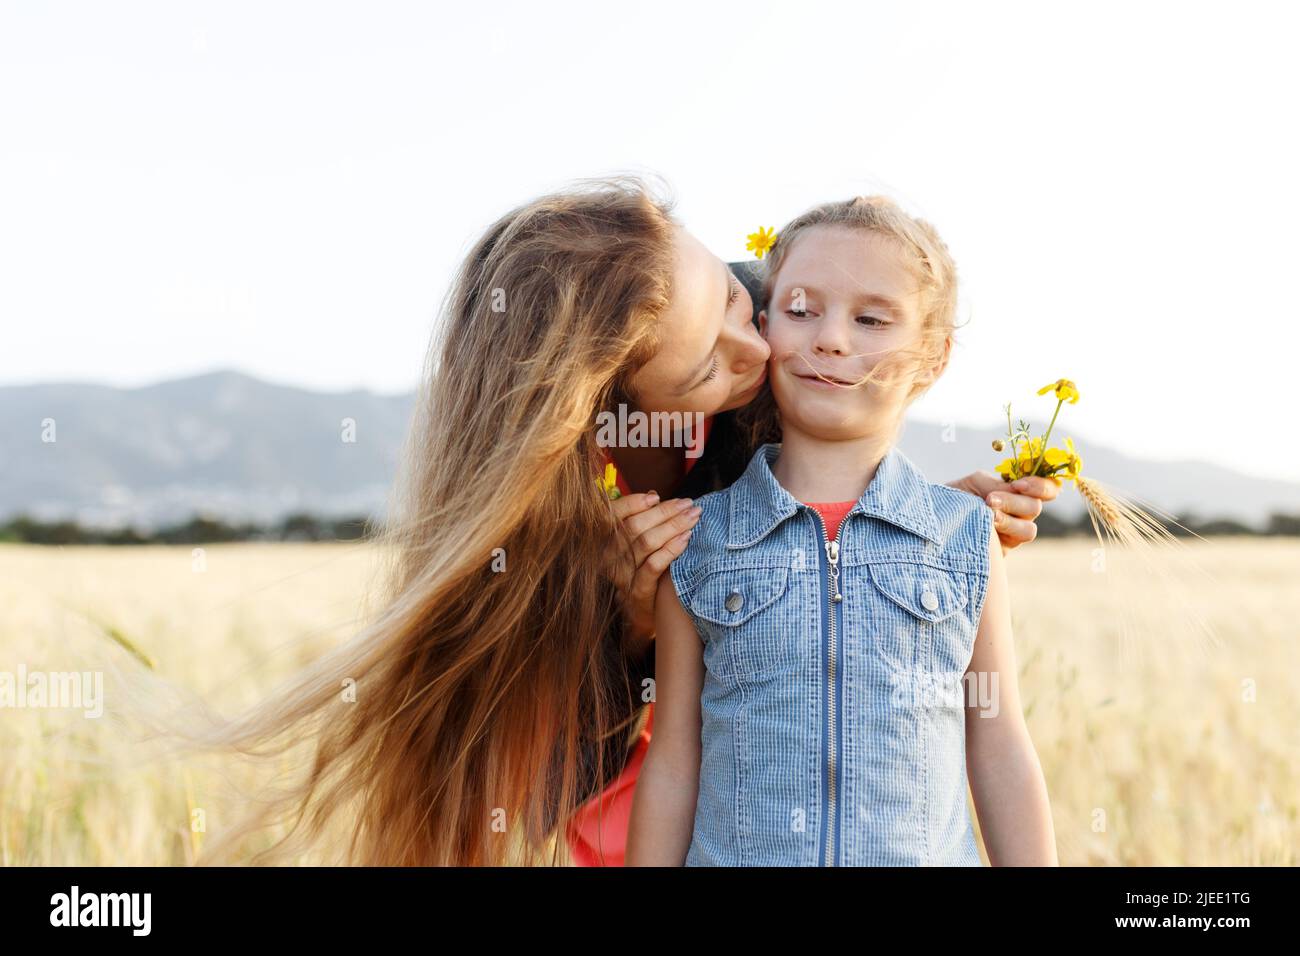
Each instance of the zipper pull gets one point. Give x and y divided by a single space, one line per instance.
833 556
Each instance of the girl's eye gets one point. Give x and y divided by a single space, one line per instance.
713 372
872 320
797 313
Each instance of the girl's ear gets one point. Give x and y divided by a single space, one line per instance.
928 376
943 362
762 323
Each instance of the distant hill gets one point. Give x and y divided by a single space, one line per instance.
229 445
223 444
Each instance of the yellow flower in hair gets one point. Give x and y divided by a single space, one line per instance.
1064 388
761 241
609 482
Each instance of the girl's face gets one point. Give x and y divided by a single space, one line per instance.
712 358
842 301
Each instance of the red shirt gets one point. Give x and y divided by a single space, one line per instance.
601 823
832 515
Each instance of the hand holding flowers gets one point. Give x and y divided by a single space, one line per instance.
1114 516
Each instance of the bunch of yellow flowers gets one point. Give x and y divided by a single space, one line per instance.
1033 455
1116 517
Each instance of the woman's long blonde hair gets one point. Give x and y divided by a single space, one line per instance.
492 695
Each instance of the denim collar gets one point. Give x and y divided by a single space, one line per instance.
898 493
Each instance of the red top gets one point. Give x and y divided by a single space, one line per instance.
601 823
832 514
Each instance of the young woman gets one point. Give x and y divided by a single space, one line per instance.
501 687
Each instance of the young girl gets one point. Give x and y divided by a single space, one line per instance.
834 645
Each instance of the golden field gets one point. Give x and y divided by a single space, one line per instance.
1164 704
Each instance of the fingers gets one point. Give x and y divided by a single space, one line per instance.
1013 532
627 505
1013 518
1017 506
645 583
1014 514
1045 489
983 483
651 529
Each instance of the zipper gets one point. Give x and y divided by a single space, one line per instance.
834 605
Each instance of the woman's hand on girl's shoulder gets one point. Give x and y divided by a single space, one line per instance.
658 532
1016 505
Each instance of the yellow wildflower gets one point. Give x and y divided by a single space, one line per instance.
609 482
761 241
1064 388
1075 465
1056 457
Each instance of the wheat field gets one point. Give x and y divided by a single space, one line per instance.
1161 694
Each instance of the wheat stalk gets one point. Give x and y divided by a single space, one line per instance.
1122 518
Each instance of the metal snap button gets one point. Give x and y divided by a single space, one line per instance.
734 601
930 600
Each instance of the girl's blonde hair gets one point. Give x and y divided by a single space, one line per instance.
493 695
926 257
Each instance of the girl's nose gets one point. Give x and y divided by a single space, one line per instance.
831 336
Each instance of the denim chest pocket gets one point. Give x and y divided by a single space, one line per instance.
925 625
749 635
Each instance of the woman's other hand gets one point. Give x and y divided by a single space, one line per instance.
1015 505
658 532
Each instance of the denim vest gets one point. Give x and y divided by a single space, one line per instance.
833 730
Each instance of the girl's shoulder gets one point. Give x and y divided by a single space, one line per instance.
707 545
937 523
965 522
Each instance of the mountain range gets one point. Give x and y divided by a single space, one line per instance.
228 445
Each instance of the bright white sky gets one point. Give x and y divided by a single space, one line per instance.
287 188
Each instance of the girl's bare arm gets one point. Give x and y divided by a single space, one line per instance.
1006 778
663 805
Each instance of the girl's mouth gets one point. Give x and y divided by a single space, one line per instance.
823 381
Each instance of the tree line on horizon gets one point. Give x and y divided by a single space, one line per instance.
303 526
200 529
